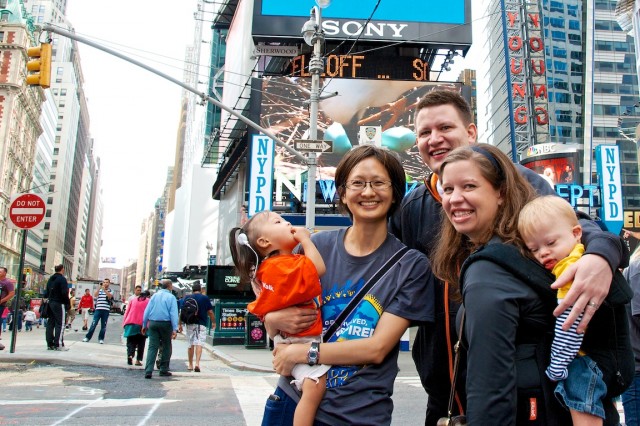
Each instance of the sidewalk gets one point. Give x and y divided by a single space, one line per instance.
30 347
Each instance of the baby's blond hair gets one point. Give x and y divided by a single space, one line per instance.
543 210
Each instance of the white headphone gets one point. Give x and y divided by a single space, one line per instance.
242 239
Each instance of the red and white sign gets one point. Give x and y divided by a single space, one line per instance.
26 211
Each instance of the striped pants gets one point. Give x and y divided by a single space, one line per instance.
564 348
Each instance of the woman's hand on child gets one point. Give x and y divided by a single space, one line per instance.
285 358
292 320
591 276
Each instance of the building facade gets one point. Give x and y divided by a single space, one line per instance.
581 72
20 129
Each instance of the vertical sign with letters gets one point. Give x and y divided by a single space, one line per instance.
261 174
608 165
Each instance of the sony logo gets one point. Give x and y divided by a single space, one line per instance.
355 28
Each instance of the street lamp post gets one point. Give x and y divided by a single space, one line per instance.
314 36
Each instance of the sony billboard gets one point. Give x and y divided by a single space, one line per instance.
417 22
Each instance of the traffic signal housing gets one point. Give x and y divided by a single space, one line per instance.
40 65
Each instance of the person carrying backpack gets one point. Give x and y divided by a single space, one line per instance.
508 304
193 314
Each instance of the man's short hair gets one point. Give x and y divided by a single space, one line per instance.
447 97
5 269
107 279
165 283
139 286
58 268
196 287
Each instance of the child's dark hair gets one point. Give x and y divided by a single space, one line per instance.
244 257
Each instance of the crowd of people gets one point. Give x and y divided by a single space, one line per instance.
484 256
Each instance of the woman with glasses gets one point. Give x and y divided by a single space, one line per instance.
363 347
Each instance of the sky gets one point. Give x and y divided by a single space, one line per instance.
134 113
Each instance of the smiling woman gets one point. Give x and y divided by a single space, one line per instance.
372 290
507 319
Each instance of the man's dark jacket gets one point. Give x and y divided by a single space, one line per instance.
58 290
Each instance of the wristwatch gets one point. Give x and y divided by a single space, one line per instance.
312 355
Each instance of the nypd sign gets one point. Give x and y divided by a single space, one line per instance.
261 174
608 165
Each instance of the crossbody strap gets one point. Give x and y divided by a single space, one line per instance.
456 363
363 291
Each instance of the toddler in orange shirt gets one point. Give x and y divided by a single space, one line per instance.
262 251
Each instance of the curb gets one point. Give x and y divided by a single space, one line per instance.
236 364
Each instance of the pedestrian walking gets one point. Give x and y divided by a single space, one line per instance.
58 294
103 308
86 305
195 330
160 323
132 324
29 319
71 313
6 293
5 314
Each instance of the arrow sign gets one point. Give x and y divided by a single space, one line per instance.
305 145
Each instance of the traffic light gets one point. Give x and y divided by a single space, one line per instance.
39 61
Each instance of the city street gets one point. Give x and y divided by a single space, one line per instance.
92 384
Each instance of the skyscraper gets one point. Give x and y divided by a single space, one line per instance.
588 73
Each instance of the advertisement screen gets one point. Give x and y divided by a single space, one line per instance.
397 10
364 110
223 283
555 170
432 23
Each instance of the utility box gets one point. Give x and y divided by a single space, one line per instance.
255 333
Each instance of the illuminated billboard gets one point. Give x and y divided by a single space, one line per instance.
362 107
419 22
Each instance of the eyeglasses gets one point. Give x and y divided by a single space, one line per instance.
361 185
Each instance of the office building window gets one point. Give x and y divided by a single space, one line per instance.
559 53
557 6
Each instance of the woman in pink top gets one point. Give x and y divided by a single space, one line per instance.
132 323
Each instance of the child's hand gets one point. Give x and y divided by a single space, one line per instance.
300 233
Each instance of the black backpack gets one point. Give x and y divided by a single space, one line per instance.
606 340
189 311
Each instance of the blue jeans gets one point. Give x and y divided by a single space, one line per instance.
101 315
583 390
631 402
279 410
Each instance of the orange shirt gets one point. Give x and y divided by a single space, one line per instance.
288 280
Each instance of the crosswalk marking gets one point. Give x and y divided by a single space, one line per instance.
252 394
95 403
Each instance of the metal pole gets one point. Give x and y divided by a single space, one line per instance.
315 68
16 298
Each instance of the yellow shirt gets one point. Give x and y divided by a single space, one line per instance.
560 267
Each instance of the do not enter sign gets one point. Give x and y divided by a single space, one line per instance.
26 211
